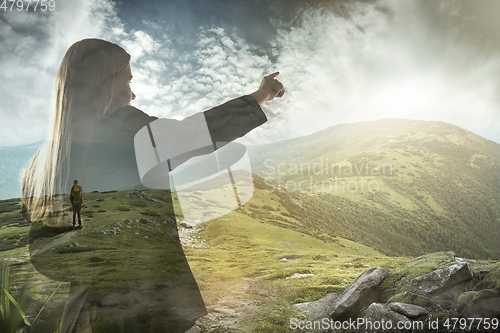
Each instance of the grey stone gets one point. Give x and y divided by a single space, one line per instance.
485 285
318 308
479 304
409 310
194 329
186 225
442 278
377 313
364 283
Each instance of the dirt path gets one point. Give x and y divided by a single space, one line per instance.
66 220
232 310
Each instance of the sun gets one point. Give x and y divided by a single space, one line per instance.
408 98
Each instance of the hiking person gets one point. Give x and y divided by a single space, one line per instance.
76 198
92 139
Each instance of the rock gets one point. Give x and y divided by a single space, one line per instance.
483 273
376 314
360 288
409 310
319 308
186 225
485 285
442 278
479 304
298 275
452 290
472 262
464 299
194 329
109 232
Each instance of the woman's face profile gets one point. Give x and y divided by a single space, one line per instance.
122 92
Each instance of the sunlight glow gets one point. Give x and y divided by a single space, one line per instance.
408 98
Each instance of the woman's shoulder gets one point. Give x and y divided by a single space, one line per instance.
125 121
129 114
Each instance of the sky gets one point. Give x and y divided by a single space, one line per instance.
339 61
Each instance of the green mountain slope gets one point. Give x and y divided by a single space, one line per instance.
400 186
244 262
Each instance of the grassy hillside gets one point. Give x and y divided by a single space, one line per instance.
250 265
403 187
331 205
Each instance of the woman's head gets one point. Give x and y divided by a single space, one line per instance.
85 82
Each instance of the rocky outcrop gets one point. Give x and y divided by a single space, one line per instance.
377 313
479 304
319 308
442 278
357 291
456 287
409 310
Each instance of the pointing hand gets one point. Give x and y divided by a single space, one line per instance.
269 89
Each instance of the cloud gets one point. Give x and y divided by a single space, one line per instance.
140 44
33 44
386 59
219 67
339 63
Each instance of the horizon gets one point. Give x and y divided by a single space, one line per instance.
258 168
305 135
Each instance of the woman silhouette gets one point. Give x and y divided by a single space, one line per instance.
92 139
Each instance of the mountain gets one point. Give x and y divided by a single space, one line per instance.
12 160
400 186
252 265
434 187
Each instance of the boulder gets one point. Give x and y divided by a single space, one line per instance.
319 308
409 310
360 288
450 290
186 225
485 285
377 314
479 304
442 278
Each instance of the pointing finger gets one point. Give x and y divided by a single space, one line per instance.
272 76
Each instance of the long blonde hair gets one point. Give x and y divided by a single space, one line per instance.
83 94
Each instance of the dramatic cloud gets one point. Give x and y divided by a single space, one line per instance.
219 68
33 44
340 62
387 59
